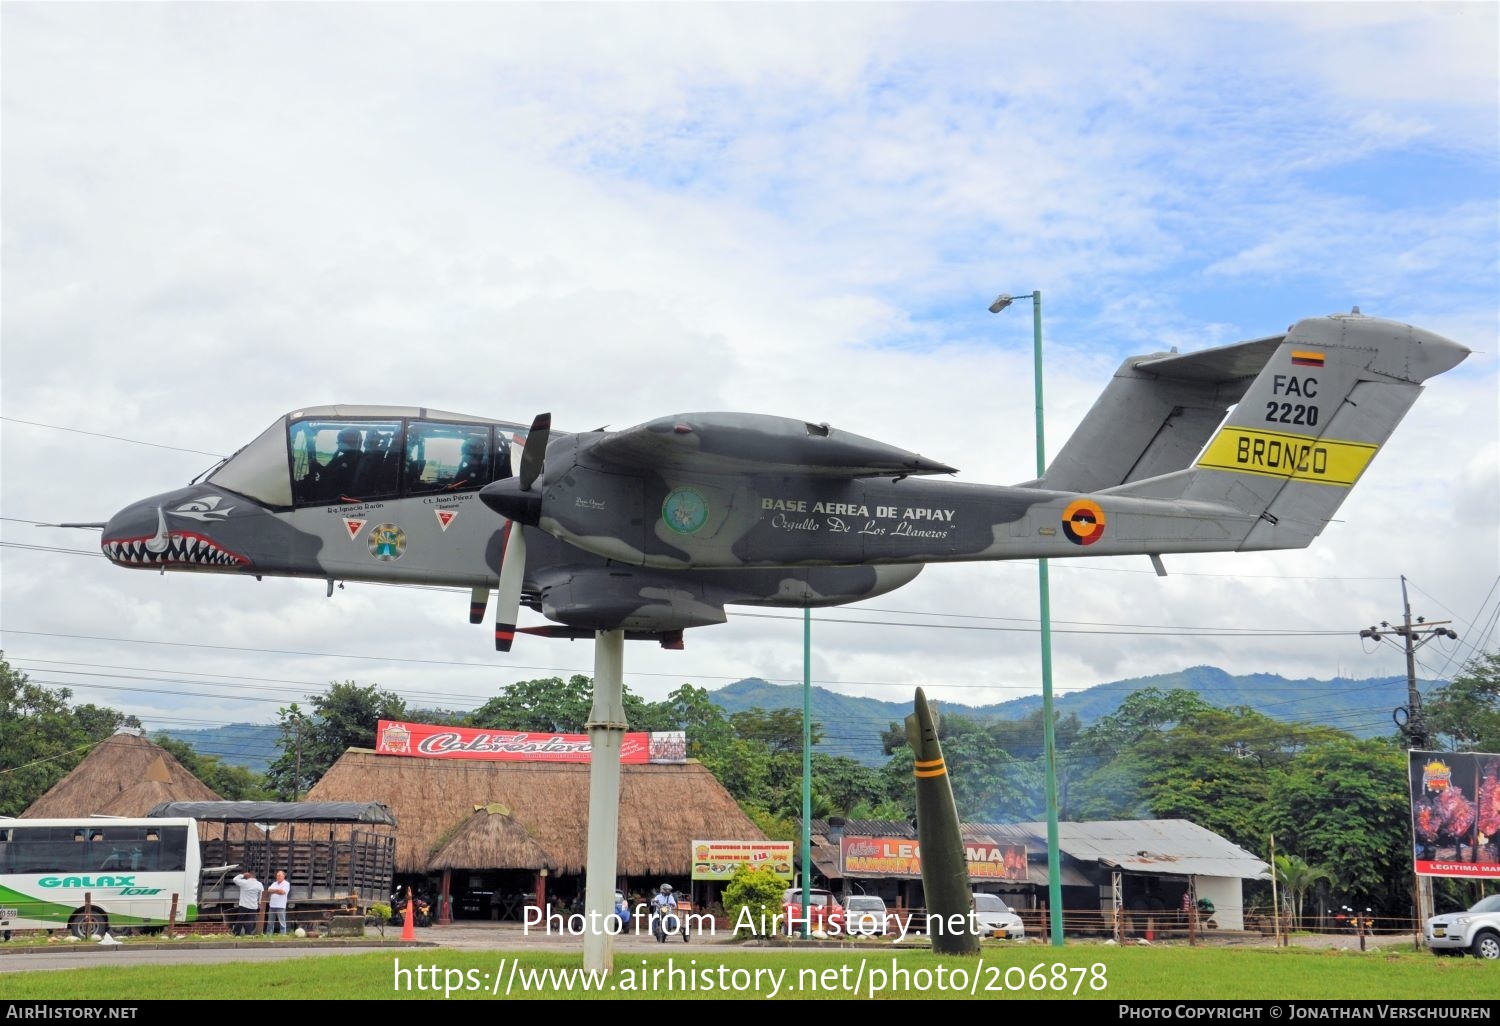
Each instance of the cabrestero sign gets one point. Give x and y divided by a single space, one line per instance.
434 741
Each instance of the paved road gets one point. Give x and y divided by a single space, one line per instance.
459 936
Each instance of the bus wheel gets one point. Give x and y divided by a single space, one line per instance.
88 924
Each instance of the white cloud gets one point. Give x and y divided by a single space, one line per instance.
214 214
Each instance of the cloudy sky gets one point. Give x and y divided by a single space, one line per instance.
217 213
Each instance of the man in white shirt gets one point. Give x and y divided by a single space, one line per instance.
276 894
250 891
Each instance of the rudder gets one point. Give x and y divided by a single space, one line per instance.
1312 421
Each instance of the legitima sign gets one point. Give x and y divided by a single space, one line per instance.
1455 813
902 857
435 741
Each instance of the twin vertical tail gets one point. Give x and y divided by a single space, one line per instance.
1307 412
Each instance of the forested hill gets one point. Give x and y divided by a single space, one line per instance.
852 726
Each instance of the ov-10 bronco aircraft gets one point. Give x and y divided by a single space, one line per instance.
657 528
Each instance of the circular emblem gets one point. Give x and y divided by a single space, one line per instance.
684 511
1083 522
387 542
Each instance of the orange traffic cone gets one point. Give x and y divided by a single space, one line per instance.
407 932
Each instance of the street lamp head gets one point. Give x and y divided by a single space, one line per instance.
1001 302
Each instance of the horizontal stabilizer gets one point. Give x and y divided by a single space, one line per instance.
1155 415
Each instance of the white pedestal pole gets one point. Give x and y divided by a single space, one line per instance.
606 735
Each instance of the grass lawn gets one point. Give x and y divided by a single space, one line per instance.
1081 971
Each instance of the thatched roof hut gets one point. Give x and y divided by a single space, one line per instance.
662 809
491 837
125 775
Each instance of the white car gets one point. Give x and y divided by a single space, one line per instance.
865 915
1476 931
995 919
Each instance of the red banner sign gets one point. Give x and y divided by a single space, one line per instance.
1455 813
902 857
431 741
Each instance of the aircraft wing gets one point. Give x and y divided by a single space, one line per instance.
732 443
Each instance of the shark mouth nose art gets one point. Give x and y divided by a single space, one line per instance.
181 547
171 547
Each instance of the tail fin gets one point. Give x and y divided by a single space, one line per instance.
1310 410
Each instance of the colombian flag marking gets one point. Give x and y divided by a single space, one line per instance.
1083 522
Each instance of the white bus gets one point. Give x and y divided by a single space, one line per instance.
98 874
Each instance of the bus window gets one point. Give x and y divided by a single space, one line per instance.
337 461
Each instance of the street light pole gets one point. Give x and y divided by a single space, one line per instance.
1054 875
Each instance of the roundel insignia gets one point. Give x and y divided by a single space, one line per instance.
387 542
684 511
1083 522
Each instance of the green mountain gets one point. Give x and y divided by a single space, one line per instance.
251 745
853 726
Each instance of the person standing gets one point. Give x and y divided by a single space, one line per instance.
249 905
276 893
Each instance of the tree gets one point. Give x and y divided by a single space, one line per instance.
1467 709
1297 876
549 704
1345 805
695 713
232 783
343 717
752 900
42 737
779 729
557 706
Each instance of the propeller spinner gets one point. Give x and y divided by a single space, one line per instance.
515 499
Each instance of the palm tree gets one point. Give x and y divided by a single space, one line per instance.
1298 877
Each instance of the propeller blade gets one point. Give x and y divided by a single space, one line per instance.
478 599
535 452
508 595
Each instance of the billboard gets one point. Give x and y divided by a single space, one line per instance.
432 741
902 857
1455 813
717 860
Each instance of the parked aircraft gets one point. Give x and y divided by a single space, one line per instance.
657 528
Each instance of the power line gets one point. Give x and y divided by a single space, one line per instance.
117 438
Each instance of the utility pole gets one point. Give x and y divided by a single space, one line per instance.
1414 635
1409 719
297 780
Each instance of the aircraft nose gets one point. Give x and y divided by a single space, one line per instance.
126 534
175 530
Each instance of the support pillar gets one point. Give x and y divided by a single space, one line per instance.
606 728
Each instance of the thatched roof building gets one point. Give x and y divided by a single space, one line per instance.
125 775
491 837
662 809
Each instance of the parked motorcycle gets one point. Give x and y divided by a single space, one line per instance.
421 910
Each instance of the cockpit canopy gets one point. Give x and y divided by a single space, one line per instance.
344 454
